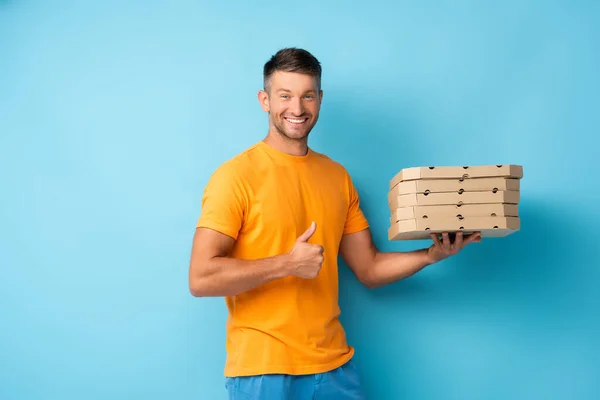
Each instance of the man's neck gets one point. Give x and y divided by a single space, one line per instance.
286 145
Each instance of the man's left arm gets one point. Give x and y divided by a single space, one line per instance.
374 268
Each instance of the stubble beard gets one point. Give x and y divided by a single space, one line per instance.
280 127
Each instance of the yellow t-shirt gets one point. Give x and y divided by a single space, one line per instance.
265 199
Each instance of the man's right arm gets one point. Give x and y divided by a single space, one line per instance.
214 273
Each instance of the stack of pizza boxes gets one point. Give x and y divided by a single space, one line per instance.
425 200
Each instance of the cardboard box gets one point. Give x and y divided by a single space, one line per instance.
447 211
454 185
410 229
431 199
425 200
454 172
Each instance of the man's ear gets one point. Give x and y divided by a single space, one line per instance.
263 99
320 96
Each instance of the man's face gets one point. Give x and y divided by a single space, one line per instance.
293 102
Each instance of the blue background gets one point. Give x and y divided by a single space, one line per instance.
114 114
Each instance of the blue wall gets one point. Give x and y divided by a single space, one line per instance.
113 116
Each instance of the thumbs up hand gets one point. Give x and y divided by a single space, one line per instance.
306 258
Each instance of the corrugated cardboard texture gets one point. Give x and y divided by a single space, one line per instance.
450 211
422 228
454 185
421 199
456 172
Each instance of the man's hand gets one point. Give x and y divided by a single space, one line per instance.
445 248
305 258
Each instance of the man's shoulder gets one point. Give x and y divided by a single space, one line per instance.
237 164
329 162
246 155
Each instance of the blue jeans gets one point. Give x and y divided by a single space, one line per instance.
342 383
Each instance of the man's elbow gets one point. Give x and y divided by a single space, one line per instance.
196 290
370 284
197 287
198 279
368 279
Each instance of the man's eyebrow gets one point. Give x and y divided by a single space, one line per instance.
311 91
287 90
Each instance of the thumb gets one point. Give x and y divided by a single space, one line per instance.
308 233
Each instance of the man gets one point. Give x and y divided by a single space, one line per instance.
273 220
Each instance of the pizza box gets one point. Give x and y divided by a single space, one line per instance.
423 199
446 211
411 229
458 172
454 185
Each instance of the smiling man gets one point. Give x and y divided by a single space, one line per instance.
274 219
292 100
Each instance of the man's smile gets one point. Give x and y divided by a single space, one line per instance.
296 120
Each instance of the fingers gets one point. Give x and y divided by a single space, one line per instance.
308 233
474 237
458 242
318 249
321 257
436 239
461 241
445 242
445 248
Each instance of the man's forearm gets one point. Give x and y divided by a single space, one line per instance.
226 276
389 267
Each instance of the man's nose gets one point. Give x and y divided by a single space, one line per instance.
296 107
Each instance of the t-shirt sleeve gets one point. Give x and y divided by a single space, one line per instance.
223 202
355 220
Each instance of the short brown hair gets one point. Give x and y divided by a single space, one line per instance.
292 59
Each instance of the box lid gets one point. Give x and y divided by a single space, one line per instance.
422 199
454 185
422 228
458 211
457 172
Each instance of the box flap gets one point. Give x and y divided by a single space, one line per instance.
449 211
454 185
458 172
422 199
422 228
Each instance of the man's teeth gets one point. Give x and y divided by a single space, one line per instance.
296 121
